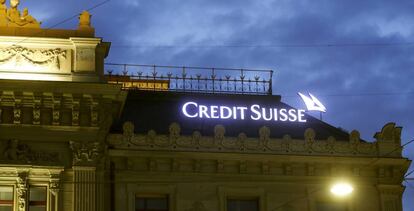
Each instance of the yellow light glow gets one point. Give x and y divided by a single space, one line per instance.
342 189
33 77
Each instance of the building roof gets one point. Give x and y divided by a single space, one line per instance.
149 110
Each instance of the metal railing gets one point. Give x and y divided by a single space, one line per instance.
190 79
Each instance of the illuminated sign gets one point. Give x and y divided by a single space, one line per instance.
312 103
253 112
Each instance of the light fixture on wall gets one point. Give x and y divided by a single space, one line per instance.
342 189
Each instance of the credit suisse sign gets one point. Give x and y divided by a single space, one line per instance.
256 112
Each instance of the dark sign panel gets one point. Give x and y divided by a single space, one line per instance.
202 112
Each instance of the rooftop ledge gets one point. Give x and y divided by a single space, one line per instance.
52 33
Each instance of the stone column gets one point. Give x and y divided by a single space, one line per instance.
54 188
84 188
86 157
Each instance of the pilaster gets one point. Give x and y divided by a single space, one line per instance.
390 197
86 157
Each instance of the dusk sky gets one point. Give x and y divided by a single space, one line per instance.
356 56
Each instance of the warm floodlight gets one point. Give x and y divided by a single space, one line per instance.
342 189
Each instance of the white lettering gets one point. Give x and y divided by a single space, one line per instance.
222 114
255 110
242 109
292 115
203 110
185 112
264 114
214 112
283 114
301 114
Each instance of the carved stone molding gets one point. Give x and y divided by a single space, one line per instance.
175 141
197 206
21 190
389 133
54 185
19 153
86 153
20 57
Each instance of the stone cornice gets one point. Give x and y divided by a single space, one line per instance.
263 144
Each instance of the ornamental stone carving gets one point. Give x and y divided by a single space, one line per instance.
389 133
17 152
151 136
264 134
197 206
128 130
21 190
86 153
54 185
176 141
12 16
174 130
85 20
219 132
309 135
196 137
241 139
354 137
20 58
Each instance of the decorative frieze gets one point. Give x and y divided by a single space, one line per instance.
86 153
19 153
174 141
54 109
39 60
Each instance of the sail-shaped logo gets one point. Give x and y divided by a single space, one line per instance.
312 103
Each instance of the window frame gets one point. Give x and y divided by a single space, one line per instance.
166 190
241 193
257 199
46 202
13 186
154 196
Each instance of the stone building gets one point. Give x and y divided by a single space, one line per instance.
75 139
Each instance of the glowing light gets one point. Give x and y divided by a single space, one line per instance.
33 77
312 103
342 189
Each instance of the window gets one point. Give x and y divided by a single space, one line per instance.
151 203
331 206
242 205
37 198
6 198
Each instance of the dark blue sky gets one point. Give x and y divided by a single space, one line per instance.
340 75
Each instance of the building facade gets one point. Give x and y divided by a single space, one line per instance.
75 139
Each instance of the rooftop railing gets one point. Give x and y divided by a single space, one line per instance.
190 79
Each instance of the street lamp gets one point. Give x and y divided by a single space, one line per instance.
341 189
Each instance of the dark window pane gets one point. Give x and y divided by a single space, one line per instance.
37 198
330 206
242 205
37 208
37 194
6 193
139 203
6 198
153 203
157 203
